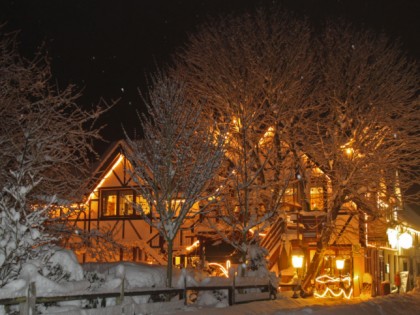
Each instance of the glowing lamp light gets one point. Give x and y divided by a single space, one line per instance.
339 263
405 240
392 237
193 246
297 261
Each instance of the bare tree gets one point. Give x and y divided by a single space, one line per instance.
365 137
351 111
176 161
44 146
255 72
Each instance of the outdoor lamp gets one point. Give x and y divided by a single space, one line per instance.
297 262
392 237
339 263
405 240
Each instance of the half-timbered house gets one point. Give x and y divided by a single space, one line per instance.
364 246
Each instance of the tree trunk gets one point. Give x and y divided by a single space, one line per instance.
317 260
321 247
169 266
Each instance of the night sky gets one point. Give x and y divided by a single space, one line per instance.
108 47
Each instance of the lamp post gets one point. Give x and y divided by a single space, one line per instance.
339 263
297 262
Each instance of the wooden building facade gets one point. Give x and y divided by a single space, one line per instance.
362 244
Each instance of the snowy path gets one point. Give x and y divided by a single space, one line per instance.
407 304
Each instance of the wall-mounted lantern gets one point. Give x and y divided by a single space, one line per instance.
339 263
392 237
297 261
405 240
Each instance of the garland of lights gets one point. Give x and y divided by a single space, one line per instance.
325 279
341 292
330 279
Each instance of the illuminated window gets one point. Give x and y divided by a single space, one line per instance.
290 195
109 203
143 204
290 198
178 204
317 198
120 203
126 202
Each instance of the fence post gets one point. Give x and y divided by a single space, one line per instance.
185 290
231 290
120 299
28 308
272 291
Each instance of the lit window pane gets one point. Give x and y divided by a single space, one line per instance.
143 203
317 198
110 204
126 203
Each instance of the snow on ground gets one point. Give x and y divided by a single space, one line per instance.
394 304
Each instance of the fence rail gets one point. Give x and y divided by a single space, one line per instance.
27 303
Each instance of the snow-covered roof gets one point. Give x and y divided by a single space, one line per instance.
106 162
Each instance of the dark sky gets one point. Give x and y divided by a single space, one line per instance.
107 47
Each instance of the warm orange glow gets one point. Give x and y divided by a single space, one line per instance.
405 240
67 211
325 279
228 264
339 263
120 158
222 268
267 135
193 245
297 261
237 125
366 229
341 292
392 237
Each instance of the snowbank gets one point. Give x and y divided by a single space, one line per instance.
110 276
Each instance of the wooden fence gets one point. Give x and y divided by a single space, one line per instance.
236 294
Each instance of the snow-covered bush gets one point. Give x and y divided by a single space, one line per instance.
215 298
21 226
257 264
256 257
62 266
